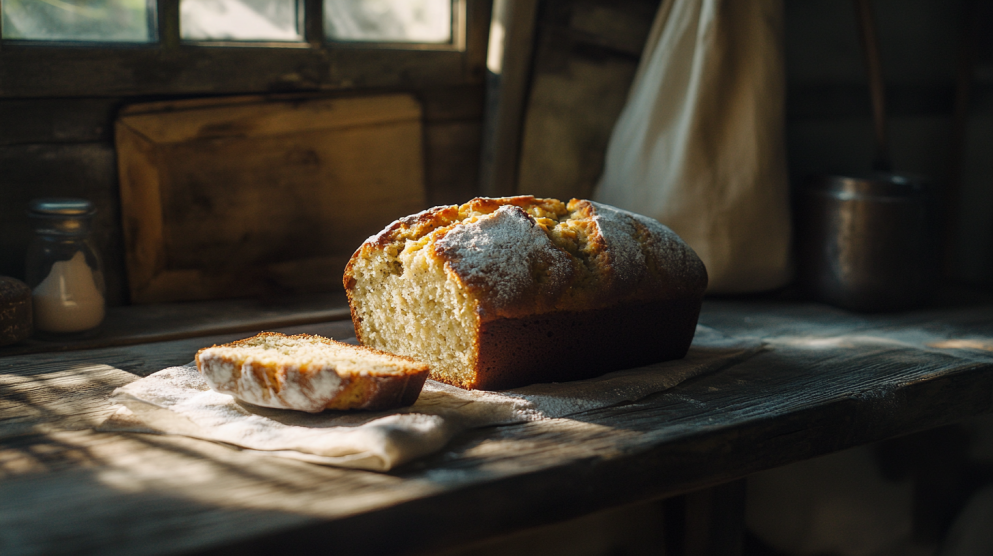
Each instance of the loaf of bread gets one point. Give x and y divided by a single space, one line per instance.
499 293
310 373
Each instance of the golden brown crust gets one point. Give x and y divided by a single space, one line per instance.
567 345
529 278
315 338
606 270
417 225
371 389
373 393
601 289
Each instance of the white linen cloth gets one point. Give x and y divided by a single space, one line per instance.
700 145
177 400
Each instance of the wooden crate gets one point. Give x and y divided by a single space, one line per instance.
247 196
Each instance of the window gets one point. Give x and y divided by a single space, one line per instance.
68 20
240 20
386 21
155 47
422 21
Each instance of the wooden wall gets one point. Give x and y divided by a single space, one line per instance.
585 57
57 108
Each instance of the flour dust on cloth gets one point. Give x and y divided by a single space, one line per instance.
178 401
700 145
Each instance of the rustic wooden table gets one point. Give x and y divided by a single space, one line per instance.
829 380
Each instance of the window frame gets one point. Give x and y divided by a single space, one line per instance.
171 66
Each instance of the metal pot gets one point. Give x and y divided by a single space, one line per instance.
867 243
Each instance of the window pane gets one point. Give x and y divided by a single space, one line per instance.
77 20
240 20
419 21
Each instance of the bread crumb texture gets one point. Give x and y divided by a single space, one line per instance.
308 373
422 286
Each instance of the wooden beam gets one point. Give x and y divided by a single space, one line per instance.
509 59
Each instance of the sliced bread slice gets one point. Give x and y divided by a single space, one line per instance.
311 373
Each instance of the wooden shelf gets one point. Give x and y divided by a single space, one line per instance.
172 321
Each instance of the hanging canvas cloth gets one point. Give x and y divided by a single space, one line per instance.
700 144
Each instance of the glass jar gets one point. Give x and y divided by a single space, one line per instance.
63 269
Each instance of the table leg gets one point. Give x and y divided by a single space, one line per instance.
707 522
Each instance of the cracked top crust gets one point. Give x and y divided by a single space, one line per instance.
524 255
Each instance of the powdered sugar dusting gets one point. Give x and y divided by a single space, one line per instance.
498 253
624 252
530 256
304 391
674 255
664 246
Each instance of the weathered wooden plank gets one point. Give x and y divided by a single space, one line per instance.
74 398
477 38
442 104
83 120
585 59
452 142
795 401
715 520
253 117
564 141
129 325
507 83
42 71
452 151
951 312
618 26
140 487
